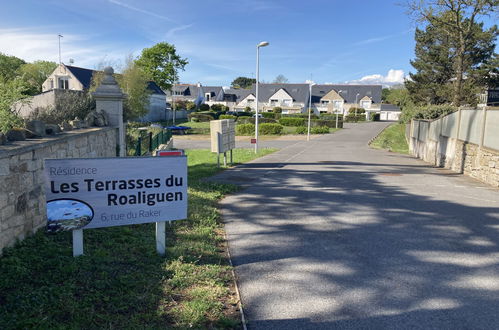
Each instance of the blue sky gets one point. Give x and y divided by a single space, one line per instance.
328 41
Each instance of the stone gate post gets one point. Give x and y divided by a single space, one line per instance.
109 97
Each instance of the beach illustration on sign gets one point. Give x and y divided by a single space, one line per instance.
67 214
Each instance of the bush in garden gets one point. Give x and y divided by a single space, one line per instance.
292 121
199 117
329 116
356 110
277 110
248 109
216 107
243 114
301 130
204 107
245 129
251 120
374 116
268 115
270 129
190 105
320 130
227 117
326 123
352 118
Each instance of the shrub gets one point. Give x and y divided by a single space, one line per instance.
243 114
204 107
292 121
352 118
245 129
301 130
277 110
268 115
216 107
325 123
329 116
374 116
320 130
251 120
248 109
300 115
356 110
227 117
270 129
199 117
190 105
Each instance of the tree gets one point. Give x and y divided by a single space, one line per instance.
34 74
280 79
243 82
399 96
10 92
161 64
133 82
457 19
9 66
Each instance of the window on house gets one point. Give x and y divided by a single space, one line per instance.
251 101
274 102
337 104
51 83
207 96
324 102
365 104
63 83
287 102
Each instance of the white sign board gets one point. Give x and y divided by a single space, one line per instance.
105 192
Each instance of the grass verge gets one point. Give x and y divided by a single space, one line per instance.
121 282
393 139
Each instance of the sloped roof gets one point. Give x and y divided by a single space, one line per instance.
348 92
299 92
85 77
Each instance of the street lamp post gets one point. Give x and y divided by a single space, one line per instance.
356 96
336 113
261 44
309 109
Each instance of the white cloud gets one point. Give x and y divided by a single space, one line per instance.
394 77
30 44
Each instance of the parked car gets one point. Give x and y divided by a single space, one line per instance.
259 115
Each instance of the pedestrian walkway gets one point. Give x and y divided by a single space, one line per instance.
332 234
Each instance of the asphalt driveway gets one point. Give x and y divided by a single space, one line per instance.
332 234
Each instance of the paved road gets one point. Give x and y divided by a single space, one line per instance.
332 234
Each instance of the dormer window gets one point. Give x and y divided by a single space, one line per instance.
207 96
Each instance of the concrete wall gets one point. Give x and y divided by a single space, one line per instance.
22 197
466 142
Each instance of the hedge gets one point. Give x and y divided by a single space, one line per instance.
260 121
301 130
227 117
326 123
352 118
292 121
329 116
270 115
199 117
374 116
270 129
320 130
245 129
300 115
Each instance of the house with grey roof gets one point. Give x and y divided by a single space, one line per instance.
71 78
339 99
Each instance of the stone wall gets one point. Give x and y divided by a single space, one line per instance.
476 161
22 198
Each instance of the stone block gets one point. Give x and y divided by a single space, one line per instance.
8 211
36 128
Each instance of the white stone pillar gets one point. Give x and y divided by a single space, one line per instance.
109 98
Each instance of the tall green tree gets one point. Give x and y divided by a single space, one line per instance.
161 64
9 66
243 82
34 74
11 91
458 20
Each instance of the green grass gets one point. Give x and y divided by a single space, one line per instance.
121 282
392 139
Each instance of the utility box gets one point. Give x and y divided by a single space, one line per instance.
223 135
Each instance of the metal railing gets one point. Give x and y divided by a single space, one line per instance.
149 143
